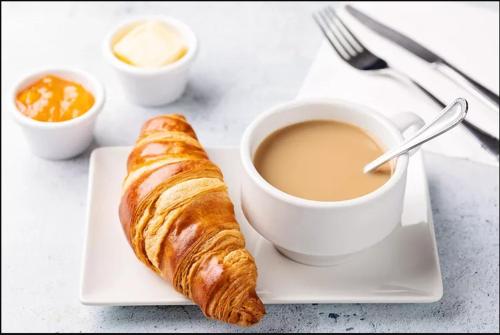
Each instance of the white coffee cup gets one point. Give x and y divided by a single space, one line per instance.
323 232
153 86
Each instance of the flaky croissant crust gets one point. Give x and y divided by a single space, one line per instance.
180 222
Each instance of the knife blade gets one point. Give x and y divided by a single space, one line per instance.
488 97
488 142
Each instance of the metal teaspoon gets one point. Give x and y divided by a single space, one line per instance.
449 117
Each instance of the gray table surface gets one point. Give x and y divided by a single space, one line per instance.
253 55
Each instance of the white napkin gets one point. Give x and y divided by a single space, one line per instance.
456 32
465 35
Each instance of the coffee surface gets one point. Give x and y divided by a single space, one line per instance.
320 160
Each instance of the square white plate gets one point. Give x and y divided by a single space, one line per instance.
402 268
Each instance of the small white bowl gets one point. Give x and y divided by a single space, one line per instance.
59 140
153 86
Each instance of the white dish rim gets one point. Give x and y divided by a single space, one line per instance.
245 155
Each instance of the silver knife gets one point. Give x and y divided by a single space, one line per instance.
488 97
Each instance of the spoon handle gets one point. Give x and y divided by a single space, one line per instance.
447 119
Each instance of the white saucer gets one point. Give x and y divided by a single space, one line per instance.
403 268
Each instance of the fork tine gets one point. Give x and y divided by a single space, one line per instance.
348 34
339 35
330 36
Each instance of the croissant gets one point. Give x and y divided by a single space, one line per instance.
180 222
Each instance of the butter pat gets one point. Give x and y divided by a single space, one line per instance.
151 44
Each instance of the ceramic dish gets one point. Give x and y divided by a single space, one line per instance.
59 140
403 268
153 86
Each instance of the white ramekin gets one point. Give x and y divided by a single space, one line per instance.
59 140
153 86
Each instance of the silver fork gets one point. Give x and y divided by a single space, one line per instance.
352 51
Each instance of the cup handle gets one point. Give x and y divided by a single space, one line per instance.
406 120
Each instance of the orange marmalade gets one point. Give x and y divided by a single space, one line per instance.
53 99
